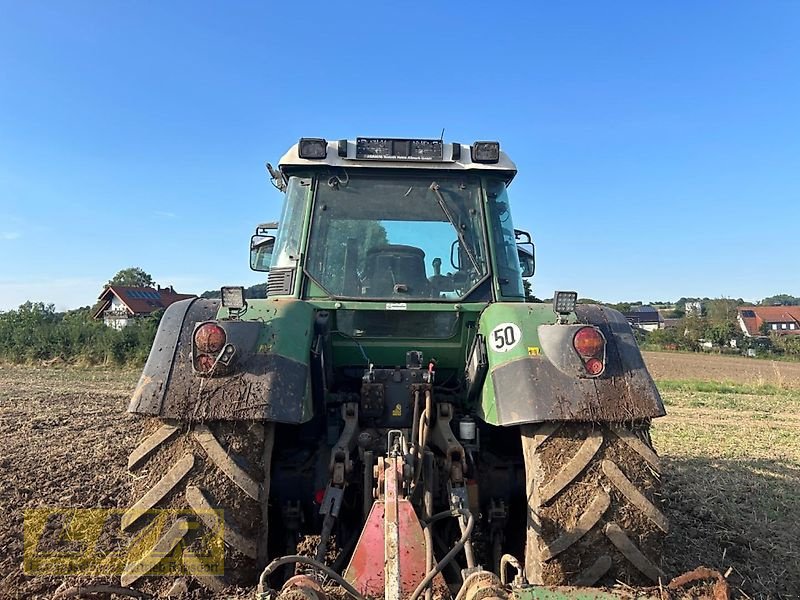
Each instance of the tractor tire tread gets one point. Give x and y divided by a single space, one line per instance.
206 476
592 492
210 516
226 464
158 491
165 544
634 496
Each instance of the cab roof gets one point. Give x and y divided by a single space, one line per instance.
344 153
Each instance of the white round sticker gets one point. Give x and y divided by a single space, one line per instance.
504 337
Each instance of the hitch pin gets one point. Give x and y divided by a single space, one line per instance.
396 443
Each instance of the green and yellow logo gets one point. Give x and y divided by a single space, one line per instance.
88 541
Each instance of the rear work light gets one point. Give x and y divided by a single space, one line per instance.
313 148
486 152
209 338
564 302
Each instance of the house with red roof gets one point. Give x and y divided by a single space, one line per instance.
119 305
754 320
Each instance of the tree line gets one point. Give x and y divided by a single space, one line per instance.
36 332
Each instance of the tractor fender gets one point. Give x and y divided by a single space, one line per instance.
268 379
533 373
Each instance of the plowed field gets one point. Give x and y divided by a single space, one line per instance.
730 448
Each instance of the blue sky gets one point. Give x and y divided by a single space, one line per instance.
658 144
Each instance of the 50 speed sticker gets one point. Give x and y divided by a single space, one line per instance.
504 337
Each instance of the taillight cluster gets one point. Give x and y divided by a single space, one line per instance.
209 340
590 345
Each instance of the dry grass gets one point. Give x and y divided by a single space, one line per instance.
731 451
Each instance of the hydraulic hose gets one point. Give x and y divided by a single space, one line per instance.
506 560
307 560
423 431
459 545
465 586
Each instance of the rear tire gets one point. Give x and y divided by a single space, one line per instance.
197 470
593 504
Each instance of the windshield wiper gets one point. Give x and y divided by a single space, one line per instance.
461 239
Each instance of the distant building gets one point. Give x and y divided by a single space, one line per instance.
645 317
776 319
670 322
694 307
119 305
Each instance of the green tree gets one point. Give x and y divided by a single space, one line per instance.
721 334
722 310
133 277
529 297
786 344
781 299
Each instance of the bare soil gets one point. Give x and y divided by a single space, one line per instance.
65 437
720 368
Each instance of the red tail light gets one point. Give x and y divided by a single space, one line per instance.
588 342
594 366
209 338
205 362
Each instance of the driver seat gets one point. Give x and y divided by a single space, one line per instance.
394 269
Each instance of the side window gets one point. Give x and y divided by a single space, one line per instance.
287 243
501 230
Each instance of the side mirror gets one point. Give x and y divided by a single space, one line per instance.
261 247
455 255
527 261
526 252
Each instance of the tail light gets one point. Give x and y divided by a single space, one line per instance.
588 342
590 345
594 366
209 338
210 347
205 362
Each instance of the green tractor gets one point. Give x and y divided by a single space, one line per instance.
395 417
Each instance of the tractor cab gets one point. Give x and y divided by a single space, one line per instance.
395 221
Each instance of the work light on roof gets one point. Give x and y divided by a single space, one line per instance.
486 152
312 148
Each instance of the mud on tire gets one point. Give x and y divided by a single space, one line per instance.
593 504
199 469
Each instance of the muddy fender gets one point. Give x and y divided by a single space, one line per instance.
269 379
532 375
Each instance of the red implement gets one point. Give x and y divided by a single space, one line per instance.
389 559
